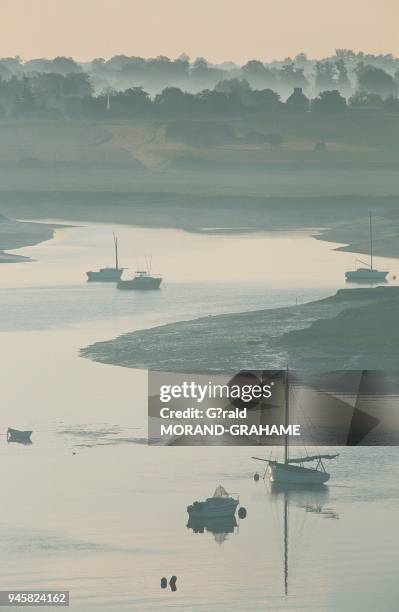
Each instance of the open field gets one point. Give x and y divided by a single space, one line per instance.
131 172
362 157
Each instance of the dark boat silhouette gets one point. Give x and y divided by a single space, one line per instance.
107 275
368 274
142 281
22 437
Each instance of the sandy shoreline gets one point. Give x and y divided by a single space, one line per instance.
17 234
343 219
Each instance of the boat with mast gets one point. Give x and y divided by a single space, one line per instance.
369 274
292 470
107 275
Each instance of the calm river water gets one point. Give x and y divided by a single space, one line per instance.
90 508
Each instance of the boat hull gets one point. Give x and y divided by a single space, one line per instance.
110 275
213 508
294 474
364 276
140 284
22 437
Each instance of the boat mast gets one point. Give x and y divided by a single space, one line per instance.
371 244
286 543
286 418
116 252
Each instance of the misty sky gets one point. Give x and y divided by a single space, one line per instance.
220 30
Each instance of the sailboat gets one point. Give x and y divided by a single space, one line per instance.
370 273
292 470
107 275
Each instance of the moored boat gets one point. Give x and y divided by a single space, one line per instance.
368 274
16 435
221 504
107 275
292 470
142 281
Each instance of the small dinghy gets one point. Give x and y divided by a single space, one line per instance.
15 435
220 505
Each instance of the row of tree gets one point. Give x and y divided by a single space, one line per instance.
346 71
54 96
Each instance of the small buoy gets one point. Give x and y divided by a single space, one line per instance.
164 583
73 453
242 512
256 477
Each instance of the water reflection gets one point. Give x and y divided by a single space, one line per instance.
310 499
220 527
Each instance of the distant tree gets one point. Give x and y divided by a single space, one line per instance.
117 62
24 105
346 55
133 102
265 100
374 80
13 64
297 101
325 76
258 74
290 76
77 84
201 73
342 78
238 92
329 102
183 57
173 102
65 65
366 100
48 89
301 60
211 101
254 71
200 68
5 72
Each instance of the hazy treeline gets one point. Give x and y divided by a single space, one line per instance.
131 86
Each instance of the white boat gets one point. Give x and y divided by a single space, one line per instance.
369 274
292 470
221 504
